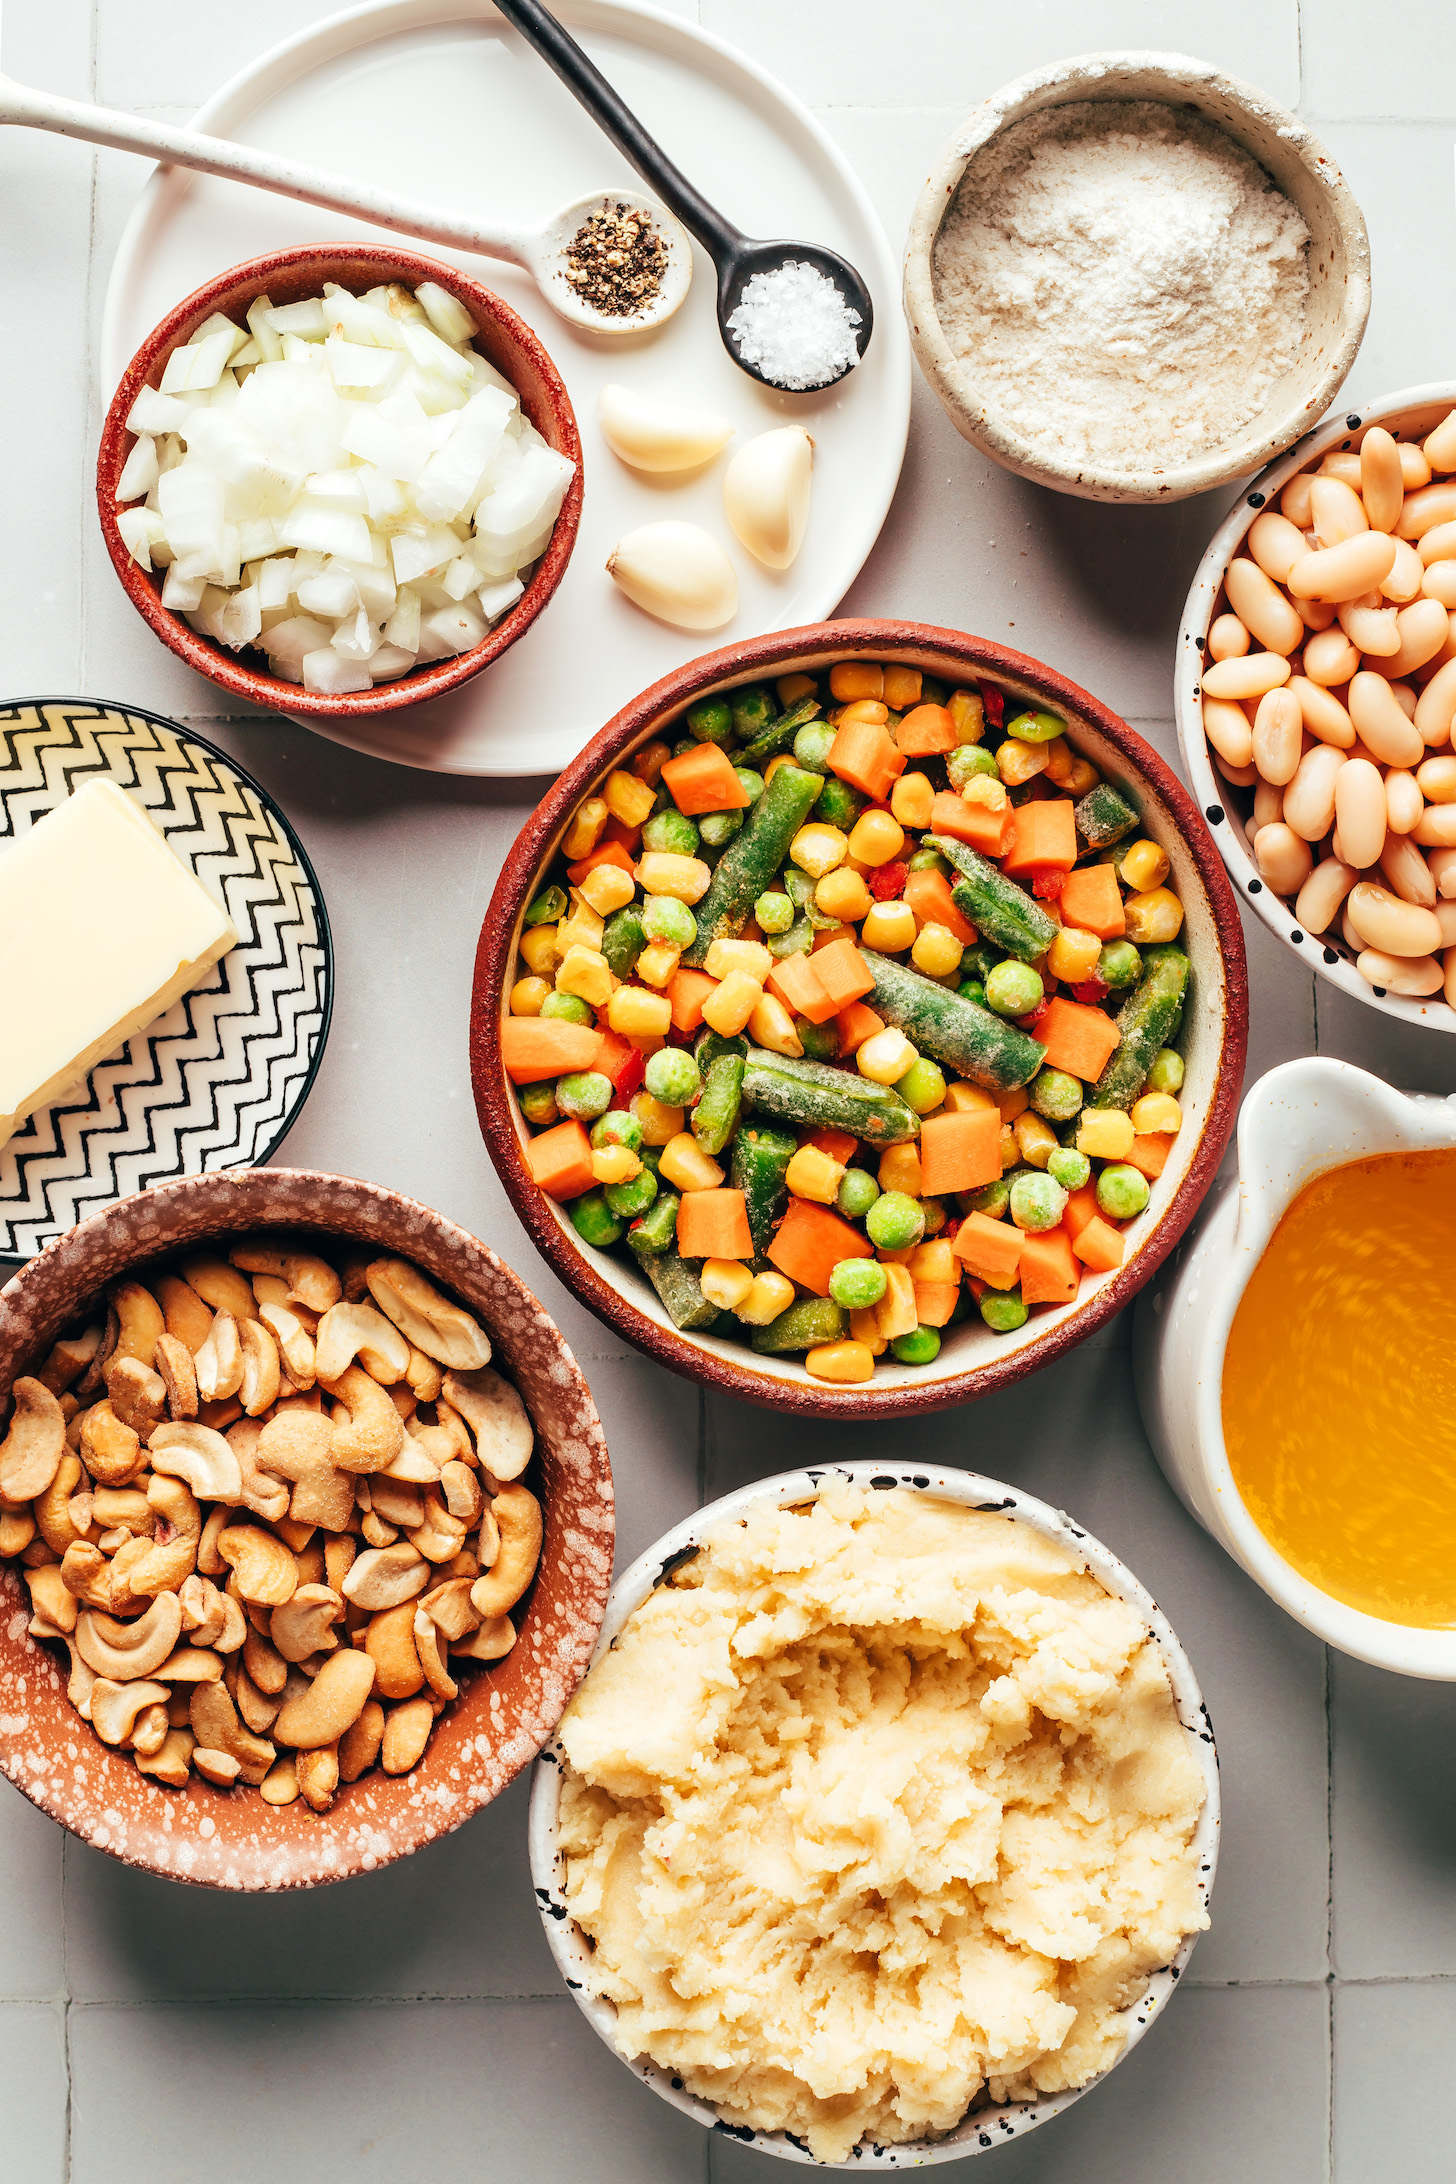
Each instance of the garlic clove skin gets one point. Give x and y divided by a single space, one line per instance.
652 434
676 572
766 494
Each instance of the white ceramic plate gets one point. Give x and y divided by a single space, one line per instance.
444 100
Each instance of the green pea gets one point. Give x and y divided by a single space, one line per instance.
1119 965
594 1220
978 961
617 1127
671 831
920 1347
895 1221
549 905
627 1200
858 1283
1122 1191
538 1103
837 804
750 782
968 760
710 1046
1070 1167
1036 727
717 828
584 1095
812 746
668 921
710 720
922 1087
672 1077
858 1191
992 1199
774 912
973 990
819 1041
753 710
650 1157
566 1008
1166 1073
1037 1201
1012 988
928 860
1055 1095
1003 1311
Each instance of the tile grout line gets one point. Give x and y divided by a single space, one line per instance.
1328 1695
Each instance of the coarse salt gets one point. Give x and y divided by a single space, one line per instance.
794 324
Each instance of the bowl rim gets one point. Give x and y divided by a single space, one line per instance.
341 1843
967 1488
670 1346
228 670
1431 1012
1085 75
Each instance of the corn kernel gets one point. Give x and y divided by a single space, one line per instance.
843 894
1073 955
968 715
785 758
582 929
1144 867
587 974
899 1168
771 1294
876 838
662 873
1010 1151
1036 1140
1018 762
615 1164
607 888
812 1174
856 679
527 994
1061 758
657 963
724 1282
937 952
1156 1114
841 1361
628 799
729 1006
659 1123
1155 916
902 688
634 1009
935 1215
1081 777
793 687
539 951
818 849
864 712
1105 1133
985 789
934 1262
885 1056
895 1314
588 825
890 926
1012 1103
865 1328
967 1099
650 760
772 1027
911 799
686 1164
738 955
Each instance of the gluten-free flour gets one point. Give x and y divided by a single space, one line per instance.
1124 283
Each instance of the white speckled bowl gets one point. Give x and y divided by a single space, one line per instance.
985 2127
230 1838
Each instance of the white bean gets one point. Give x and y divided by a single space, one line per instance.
1436 780
1417 975
1335 511
1276 544
1439 447
1450 982
1424 627
1382 725
1360 814
1404 696
1441 864
1436 706
1278 735
1227 638
1382 488
1309 800
1407 573
1268 804
1439 583
1330 659
1315 613
1238 777
1424 510
1407 871
1369 626
1284 860
1247 678
1397 928
1342 463
1227 728
1403 801
1446 919
1345 570
1294 501
1262 608
1322 712
1322 894
1436 828
1438 544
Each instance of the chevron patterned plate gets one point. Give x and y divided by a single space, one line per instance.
219 1080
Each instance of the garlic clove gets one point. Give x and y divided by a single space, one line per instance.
766 494
678 573
652 434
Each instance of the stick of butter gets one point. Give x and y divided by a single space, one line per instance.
102 928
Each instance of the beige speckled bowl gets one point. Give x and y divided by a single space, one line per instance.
1298 163
230 1838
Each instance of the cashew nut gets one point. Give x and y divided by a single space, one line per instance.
53 1516
439 1537
173 1763
258 1387
416 1464
264 1663
311 1280
139 1322
375 1532
209 1561
429 1319
188 1319
81 1682
52 1597
31 1452
219 1363
90 1383
406 1733
292 1337
112 1452
221 1286
217 1417
186 1449
385 1577
518 1516
338 1561
359 1746
449 1605
492 1642
257 1709
279 1785
149 1730
318 1776
433 1649
265 1571
333 1701
128 1505
349 1331
69 1359
178 1376
397 1504
217 1767
86 1574
497 1417
301 1626
456 1432
171 1558
389 1641
462 1492
191 1665
215 1724
488 1545
115 1706
17 1530
373 1433
297 1445
126 1651
423 1376
202 1609
137 1395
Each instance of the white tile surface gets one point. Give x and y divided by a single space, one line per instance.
1392 1794
1396 76
34 2091
1395 2094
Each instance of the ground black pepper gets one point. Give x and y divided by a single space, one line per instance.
616 260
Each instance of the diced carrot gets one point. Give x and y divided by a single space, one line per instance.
1150 1155
533 1047
975 824
560 1160
1049 1272
959 1151
686 993
935 1301
926 732
843 972
838 1144
1077 1039
628 838
1098 1247
1043 839
1092 899
929 896
1081 1207
991 1249
703 780
810 1243
863 755
826 935
616 1053
856 1024
604 853
714 1225
797 983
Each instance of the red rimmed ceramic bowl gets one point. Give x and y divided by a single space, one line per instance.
287 276
972 1361
504 1714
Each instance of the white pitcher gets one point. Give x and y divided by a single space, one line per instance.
1301 1120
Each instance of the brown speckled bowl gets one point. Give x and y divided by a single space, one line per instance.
287 276
231 1838
972 1361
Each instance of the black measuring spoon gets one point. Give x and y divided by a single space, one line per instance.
737 256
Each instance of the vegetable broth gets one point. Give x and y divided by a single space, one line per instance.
1340 1415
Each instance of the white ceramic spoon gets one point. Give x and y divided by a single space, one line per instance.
541 251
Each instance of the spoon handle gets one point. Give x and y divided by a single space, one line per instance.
585 81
